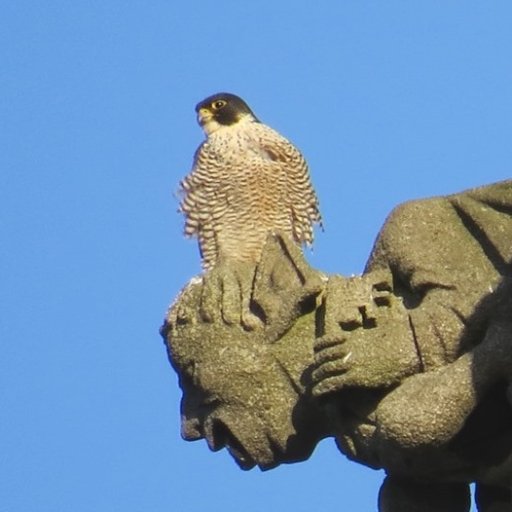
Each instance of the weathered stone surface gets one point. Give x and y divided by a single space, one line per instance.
408 366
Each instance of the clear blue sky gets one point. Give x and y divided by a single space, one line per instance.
387 100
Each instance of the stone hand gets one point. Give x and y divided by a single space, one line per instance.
222 295
270 296
366 340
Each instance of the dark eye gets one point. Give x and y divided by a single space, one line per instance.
218 104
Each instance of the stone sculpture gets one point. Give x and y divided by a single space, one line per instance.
408 366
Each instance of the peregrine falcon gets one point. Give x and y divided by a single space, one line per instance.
247 181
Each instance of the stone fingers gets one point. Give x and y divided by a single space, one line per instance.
332 361
226 296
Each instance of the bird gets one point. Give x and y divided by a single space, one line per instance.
246 182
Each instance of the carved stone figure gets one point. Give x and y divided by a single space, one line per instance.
408 366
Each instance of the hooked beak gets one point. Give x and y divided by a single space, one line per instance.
203 116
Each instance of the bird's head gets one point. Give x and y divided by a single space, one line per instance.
222 109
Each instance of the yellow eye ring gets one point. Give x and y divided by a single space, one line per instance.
216 105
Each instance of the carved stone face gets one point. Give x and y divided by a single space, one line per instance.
246 395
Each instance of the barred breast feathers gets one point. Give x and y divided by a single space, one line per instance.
237 168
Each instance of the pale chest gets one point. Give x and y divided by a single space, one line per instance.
233 146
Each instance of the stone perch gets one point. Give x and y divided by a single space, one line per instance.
408 366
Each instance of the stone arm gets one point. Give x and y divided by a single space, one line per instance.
447 255
426 295
428 327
